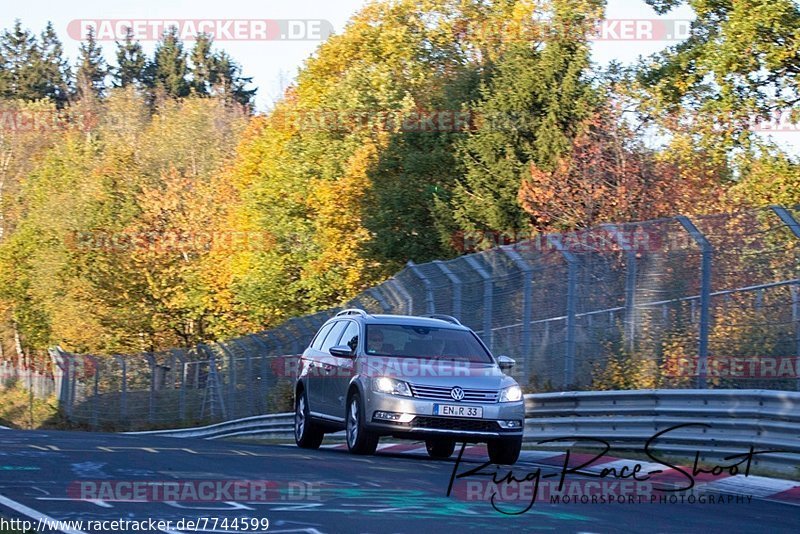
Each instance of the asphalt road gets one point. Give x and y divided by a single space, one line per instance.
315 491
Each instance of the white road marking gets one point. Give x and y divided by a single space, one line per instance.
33 514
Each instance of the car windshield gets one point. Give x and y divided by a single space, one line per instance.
425 342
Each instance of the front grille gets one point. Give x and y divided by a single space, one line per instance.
445 423
443 393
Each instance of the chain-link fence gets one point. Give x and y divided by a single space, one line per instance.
40 382
709 302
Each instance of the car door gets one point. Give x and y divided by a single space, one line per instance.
312 367
339 380
325 364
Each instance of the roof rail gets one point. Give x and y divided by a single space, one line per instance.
353 311
442 317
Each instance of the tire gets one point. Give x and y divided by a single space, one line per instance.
307 434
359 439
505 451
440 448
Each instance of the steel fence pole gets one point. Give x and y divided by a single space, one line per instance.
790 222
488 336
527 305
375 292
630 285
430 305
572 296
151 401
176 355
123 392
96 388
705 295
455 282
397 285
265 382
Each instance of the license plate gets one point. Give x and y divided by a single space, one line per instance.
454 410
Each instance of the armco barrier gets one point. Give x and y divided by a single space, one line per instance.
723 423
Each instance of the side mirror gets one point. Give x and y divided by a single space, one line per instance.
505 362
341 351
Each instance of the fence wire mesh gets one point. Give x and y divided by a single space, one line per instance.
673 303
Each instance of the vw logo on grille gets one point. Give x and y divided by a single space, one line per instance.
457 393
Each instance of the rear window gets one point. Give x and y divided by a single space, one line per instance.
424 342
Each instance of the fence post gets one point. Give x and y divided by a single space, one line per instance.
375 292
487 299
705 295
455 282
95 391
176 355
123 392
572 283
151 402
232 379
527 304
630 285
265 381
60 380
787 219
430 305
406 295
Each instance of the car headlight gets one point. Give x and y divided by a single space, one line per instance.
511 394
384 384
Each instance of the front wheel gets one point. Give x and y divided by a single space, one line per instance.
359 439
505 451
440 448
306 433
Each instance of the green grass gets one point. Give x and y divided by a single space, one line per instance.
19 410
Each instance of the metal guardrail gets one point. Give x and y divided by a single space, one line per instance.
737 419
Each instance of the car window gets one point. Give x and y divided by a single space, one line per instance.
425 342
350 336
333 336
317 343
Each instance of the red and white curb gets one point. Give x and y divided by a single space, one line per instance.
764 488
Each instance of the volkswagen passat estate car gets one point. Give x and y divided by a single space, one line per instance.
422 378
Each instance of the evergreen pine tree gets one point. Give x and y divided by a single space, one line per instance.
91 73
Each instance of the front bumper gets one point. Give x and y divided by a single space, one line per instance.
425 424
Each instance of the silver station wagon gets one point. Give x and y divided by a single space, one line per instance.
421 378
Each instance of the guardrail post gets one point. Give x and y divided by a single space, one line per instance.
488 335
430 305
455 282
705 295
527 304
572 297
